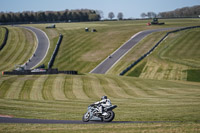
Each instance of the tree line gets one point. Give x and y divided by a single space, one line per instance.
120 15
50 16
193 11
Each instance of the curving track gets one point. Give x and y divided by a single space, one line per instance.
108 63
41 50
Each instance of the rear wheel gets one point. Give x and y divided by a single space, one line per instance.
109 117
86 117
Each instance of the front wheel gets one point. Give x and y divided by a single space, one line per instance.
109 117
86 117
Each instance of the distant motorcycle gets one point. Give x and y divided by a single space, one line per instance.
92 113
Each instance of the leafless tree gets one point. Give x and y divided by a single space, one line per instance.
143 15
120 16
151 14
111 15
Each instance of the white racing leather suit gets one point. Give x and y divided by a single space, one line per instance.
103 103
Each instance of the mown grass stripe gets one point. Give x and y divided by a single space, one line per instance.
105 85
73 56
19 48
139 89
68 89
117 88
71 48
96 86
87 87
185 39
5 77
195 43
10 47
15 88
78 88
170 97
5 85
133 90
58 88
26 90
16 46
183 48
126 88
2 34
47 88
36 91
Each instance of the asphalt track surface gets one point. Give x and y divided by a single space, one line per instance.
41 50
108 63
42 121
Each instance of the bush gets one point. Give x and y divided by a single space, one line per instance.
193 75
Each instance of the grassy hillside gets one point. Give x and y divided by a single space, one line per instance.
172 60
160 65
67 97
83 51
20 46
183 48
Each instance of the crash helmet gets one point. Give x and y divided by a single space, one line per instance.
103 97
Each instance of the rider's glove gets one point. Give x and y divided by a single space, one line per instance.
92 104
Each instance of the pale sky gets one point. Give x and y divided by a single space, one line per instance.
130 8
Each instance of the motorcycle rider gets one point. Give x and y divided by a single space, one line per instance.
105 102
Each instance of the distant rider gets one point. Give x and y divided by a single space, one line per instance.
105 102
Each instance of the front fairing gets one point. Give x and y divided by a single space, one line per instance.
90 112
110 107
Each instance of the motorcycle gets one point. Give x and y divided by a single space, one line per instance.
107 114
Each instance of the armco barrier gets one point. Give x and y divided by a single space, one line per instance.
152 49
68 72
48 71
50 64
5 39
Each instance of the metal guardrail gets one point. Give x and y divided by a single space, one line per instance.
48 71
50 64
5 39
152 49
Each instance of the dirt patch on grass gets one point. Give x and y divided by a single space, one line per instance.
94 56
7 116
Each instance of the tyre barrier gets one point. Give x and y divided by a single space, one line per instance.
5 39
152 49
48 71
50 64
